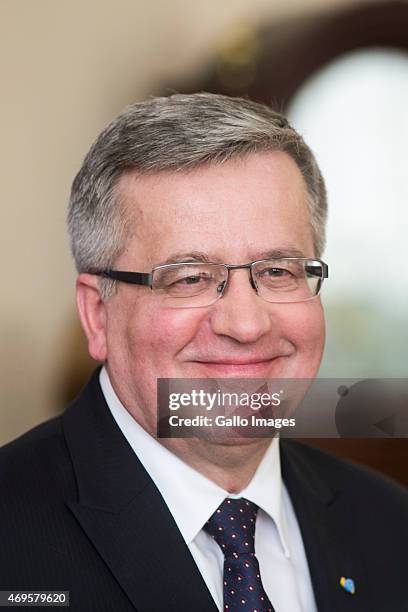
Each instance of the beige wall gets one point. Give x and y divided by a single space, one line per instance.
67 67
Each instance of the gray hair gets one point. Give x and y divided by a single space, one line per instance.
178 133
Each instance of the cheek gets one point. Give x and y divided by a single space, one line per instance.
163 332
305 329
308 324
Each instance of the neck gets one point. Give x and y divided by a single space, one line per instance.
230 465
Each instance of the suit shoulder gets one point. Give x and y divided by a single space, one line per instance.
347 476
35 458
38 437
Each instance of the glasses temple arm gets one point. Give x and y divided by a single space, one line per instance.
134 278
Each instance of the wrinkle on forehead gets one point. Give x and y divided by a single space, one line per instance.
207 257
218 209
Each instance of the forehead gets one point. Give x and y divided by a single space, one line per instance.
236 211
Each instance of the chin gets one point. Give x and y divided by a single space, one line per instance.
230 439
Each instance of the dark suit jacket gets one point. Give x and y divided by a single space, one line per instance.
78 512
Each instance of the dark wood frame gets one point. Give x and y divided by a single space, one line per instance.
288 52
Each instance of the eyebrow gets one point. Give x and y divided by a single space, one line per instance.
199 256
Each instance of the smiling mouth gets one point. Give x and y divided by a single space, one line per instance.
239 367
237 362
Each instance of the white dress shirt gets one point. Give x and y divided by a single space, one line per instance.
192 499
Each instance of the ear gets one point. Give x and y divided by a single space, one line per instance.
92 313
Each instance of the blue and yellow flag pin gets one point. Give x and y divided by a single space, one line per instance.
348 585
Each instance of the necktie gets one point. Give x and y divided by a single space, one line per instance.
233 528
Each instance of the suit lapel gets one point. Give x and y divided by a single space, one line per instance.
326 533
123 514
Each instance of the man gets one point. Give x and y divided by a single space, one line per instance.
93 503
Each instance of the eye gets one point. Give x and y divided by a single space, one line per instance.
193 279
275 277
187 282
275 272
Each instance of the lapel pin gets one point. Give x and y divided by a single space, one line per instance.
348 585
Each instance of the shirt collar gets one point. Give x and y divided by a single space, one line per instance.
179 483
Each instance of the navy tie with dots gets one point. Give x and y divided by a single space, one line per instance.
233 528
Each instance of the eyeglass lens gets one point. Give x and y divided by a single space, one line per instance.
201 284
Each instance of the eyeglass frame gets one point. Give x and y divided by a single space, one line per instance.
146 278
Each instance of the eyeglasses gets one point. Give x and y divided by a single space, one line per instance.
198 284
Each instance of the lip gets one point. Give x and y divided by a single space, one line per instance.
236 361
239 367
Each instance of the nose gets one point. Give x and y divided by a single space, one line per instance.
240 313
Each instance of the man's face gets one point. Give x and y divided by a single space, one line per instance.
233 213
